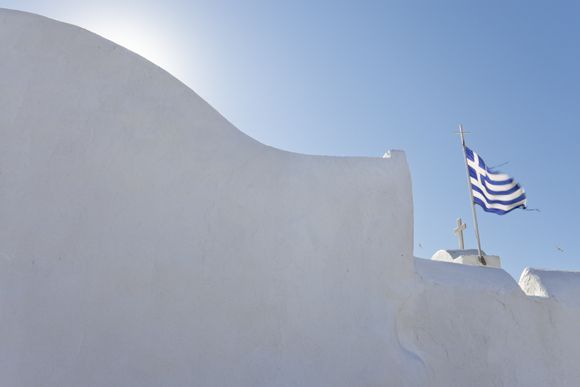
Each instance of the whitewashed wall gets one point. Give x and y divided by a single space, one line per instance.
145 241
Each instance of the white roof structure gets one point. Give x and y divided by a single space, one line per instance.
563 286
466 257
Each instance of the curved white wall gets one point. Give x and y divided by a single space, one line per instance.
145 241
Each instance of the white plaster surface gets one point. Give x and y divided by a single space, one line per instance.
466 257
145 241
563 286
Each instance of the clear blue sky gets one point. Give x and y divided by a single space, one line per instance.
361 77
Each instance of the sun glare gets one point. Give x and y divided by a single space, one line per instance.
150 40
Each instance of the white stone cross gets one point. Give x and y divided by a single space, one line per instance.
459 232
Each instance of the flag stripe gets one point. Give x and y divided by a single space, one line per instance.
499 199
498 183
490 192
493 210
497 206
492 178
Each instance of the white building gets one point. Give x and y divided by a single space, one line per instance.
145 241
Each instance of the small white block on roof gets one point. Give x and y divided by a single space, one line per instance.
466 257
561 285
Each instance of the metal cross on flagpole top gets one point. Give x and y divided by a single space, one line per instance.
476 227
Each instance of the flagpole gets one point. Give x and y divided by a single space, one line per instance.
473 212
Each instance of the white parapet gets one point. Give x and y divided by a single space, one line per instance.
466 257
563 286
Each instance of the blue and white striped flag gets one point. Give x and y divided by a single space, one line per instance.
494 192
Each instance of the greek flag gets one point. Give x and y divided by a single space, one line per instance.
494 192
